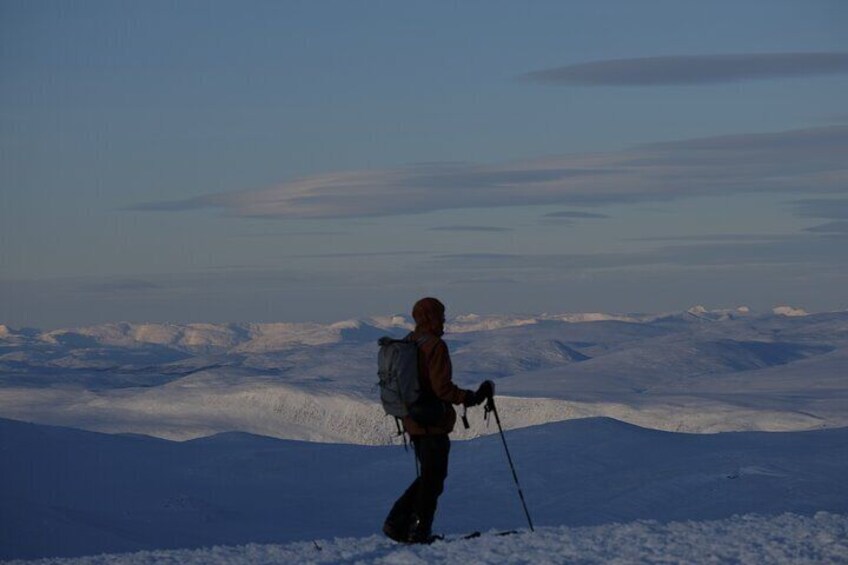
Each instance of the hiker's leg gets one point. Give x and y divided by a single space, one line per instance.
398 521
433 453
403 506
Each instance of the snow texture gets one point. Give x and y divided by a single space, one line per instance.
741 539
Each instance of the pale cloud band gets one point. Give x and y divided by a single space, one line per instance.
810 250
830 228
575 215
831 209
480 229
806 161
693 69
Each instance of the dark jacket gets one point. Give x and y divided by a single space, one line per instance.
434 368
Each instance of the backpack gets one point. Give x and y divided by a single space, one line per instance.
400 389
397 367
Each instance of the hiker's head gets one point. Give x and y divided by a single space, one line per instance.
429 316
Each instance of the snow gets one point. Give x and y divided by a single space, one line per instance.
69 492
719 370
637 438
752 539
789 311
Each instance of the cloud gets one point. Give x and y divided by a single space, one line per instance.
693 69
483 281
487 229
796 161
713 237
802 249
120 285
797 250
363 254
515 263
568 218
834 209
571 215
292 234
830 227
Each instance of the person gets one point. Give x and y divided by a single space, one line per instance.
411 517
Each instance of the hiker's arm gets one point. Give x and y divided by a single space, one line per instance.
441 376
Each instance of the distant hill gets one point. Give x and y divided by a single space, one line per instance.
698 370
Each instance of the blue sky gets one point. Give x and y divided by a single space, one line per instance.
223 161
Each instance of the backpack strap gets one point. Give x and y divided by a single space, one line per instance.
402 433
420 341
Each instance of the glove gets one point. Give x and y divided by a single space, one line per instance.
484 391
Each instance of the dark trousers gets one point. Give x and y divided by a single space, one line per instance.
417 505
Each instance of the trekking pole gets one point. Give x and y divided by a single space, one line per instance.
490 407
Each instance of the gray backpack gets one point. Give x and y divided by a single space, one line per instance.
397 367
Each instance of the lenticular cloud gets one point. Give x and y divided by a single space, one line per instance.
807 161
693 69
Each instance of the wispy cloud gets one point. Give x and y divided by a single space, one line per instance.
797 161
830 227
120 285
357 254
784 250
835 209
574 215
712 237
798 250
514 263
693 69
474 281
484 229
292 234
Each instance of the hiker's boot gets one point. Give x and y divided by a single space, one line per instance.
395 531
422 537
420 532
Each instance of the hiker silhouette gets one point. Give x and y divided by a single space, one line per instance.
411 517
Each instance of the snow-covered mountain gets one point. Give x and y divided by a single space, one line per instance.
698 371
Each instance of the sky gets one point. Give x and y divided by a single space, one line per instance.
290 161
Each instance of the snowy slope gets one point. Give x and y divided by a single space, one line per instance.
697 371
590 483
786 538
68 492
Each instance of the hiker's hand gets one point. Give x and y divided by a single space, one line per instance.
472 399
485 391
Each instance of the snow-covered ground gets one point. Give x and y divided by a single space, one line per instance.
69 492
282 440
694 371
752 540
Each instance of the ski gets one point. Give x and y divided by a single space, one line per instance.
477 534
